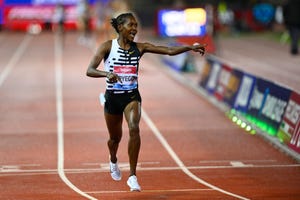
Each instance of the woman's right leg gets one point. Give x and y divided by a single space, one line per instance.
114 126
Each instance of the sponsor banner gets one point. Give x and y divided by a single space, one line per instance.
205 72
19 2
187 22
54 2
289 131
210 74
233 87
272 108
1 15
43 2
246 87
223 82
125 69
267 105
21 17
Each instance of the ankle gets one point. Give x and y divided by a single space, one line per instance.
132 174
114 160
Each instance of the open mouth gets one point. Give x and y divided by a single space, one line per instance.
132 34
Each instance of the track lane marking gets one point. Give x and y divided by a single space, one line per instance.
181 165
58 53
150 191
26 172
15 58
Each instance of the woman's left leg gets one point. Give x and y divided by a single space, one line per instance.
133 116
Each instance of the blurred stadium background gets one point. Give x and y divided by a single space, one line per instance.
250 15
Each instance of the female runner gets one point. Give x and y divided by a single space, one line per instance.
121 64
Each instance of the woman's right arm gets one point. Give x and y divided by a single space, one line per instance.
92 70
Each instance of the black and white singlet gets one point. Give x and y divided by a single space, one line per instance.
125 64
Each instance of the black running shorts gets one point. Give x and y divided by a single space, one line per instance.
116 103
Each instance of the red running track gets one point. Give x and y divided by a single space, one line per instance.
53 134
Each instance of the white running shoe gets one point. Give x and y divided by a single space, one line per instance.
115 171
133 184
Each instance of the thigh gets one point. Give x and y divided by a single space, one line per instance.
114 125
132 113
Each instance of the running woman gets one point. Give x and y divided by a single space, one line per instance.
121 64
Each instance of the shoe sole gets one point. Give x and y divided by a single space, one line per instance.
134 189
117 179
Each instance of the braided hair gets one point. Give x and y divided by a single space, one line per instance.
121 19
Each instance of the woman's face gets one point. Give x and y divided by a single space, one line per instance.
129 28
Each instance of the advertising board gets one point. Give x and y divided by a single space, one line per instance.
233 87
210 74
244 94
21 17
187 22
223 82
267 105
22 14
289 131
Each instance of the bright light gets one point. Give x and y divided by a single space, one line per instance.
248 128
188 22
243 125
234 118
195 15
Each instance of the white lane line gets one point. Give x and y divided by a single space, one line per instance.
164 142
15 58
15 168
25 172
149 191
25 131
228 161
60 119
239 164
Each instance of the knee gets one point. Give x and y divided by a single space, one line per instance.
114 140
134 129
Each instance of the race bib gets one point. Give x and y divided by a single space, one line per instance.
128 76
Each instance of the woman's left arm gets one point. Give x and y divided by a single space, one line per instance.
171 50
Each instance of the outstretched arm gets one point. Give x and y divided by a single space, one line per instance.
171 50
